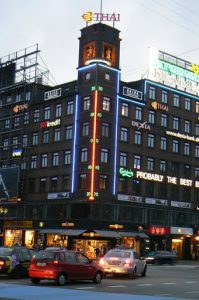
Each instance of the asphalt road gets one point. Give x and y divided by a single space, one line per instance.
179 281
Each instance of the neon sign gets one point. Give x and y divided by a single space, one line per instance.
160 106
89 16
183 136
21 107
140 125
47 124
126 173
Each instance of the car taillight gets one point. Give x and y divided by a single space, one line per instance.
2 262
127 263
55 262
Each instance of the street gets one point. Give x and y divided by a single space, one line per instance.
179 281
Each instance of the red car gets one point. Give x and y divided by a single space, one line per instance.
62 265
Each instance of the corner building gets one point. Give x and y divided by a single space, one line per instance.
98 161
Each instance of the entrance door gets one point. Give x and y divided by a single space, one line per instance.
177 245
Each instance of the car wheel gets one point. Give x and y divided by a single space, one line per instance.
35 280
61 279
133 275
98 278
144 272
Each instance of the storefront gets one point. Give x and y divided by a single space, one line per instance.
181 239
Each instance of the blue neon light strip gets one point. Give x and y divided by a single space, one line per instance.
87 67
132 101
164 87
74 144
116 137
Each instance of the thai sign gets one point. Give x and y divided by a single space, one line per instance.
89 16
173 71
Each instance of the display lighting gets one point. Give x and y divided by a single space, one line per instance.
116 226
97 60
94 146
74 145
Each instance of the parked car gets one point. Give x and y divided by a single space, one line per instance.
62 265
15 261
123 261
161 257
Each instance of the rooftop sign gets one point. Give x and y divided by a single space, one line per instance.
89 16
173 71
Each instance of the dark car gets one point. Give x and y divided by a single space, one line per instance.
63 265
15 261
161 257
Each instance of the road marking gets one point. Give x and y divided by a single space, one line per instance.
144 284
192 292
169 283
85 288
157 295
117 286
190 282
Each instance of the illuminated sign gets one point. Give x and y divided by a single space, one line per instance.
160 106
159 230
17 153
132 93
130 198
126 173
47 124
140 125
183 136
21 107
181 204
59 195
156 201
52 94
173 71
181 230
90 17
150 176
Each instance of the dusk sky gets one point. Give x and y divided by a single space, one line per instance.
169 25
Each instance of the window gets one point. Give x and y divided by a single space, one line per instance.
176 100
31 184
7 124
186 149
103 182
175 123
152 93
66 182
33 164
107 76
5 144
36 116
197 129
25 140
58 111
67 157
43 184
69 132
122 185
164 97
104 155
84 155
87 76
70 108
197 151
105 129
124 134
187 125
86 103
187 104
163 166
151 140
137 162
164 120
57 135
197 173
53 183
175 146
138 113
35 138
125 110
187 171
44 160
174 168
15 141
83 181
16 122
123 159
55 159
197 107
18 98
151 117
46 136
23 164
150 187
150 164
47 113
26 118
9 99
106 104
163 143
138 137
85 129
28 94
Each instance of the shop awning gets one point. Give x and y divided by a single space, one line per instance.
133 234
51 231
106 233
74 232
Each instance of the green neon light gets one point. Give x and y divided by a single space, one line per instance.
126 173
172 69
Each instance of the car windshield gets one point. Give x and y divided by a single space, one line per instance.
5 251
152 253
120 254
46 255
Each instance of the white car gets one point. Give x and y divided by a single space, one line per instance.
123 261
